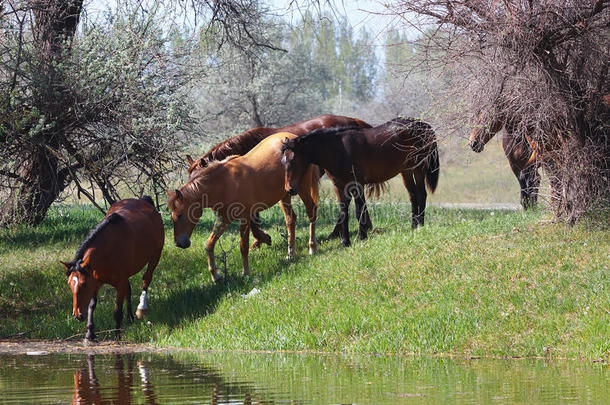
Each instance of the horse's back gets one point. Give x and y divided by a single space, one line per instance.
140 234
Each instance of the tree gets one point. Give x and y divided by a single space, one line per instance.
268 87
101 107
543 65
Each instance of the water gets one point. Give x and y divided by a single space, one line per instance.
234 378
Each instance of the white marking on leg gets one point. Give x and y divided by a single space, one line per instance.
142 305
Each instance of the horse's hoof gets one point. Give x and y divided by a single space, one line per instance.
216 276
333 235
345 243
313 250
141 313
88 341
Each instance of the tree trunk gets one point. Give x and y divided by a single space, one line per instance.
39 186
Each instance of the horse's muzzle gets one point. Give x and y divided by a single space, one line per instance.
80 317
183 243
293 192
477 146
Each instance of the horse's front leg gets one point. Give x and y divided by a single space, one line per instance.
118 309
244 243
128 300
290 218
360 212
344 217
90 332
219 228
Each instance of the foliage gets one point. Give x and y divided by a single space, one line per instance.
541 66
320 61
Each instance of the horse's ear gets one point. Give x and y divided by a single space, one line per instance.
178 194
66 265
189 160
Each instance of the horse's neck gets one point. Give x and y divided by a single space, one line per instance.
206 190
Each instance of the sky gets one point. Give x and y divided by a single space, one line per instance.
360 13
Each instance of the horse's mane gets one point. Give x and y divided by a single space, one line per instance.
319 132
191 189
110 219
229 146
148 199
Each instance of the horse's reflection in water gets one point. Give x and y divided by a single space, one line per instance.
87 388
122 389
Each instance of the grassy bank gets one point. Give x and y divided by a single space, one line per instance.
479 282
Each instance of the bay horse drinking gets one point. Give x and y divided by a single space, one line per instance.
129 237
520 152
237 188
244 142
353 158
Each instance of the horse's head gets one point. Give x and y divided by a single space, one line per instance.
480 135
295 164
185 215
83 287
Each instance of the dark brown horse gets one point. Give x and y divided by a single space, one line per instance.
520 152
244 142
353 158
129 237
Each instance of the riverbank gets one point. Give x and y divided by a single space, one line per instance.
470 283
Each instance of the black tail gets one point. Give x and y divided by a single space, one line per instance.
148 199
433 169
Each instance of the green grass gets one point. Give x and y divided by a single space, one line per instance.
474 282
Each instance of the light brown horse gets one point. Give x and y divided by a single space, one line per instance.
521 153
244 142
129 237
353 158
237 188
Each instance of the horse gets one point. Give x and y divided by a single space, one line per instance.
521 155
244 142
130 236
353 158
236 188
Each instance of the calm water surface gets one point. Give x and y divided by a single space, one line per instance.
233 378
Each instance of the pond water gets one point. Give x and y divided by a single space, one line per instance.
234 378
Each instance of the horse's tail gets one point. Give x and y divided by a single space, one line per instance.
376 189
432 168
316 174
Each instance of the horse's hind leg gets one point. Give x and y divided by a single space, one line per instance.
291 218
421 194
260 236
409 182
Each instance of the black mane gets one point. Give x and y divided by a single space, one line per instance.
315 133
148 199
112 218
